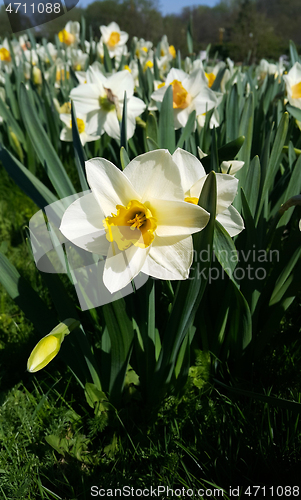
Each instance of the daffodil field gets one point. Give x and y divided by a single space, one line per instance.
167 235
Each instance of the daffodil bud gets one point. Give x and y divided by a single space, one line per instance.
49 346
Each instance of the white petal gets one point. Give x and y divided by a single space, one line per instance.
82 225
122 266
135 106
170 258
66 134
178 217
175 74
197 187
204 101
155 175
231 220
231 166
226 187
86 97
159 94
95 121
112 125
96 77
109 185
196 82
66 119
89 138
191 169
130 126
120 83
181 116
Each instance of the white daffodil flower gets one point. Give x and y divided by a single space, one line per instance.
142 48
86 134
114 38
193 177
190 92
138 218
101 99
265 68
77 58
166 49
5 56
44 54
293 85
70 34
214 120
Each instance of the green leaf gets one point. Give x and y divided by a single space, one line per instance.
240 325
284 276
82 32
107 60
217 82
270 400
214 160
124 158
187 130
189 38
121 336
151 144
188 295
25 297
252 184
80 155
166 122
10 121
94 396
274 160
10 96
226 152
34 188
293 188
293 52
246 129
44 148
151 129
232 114
123 125
295 112
224 249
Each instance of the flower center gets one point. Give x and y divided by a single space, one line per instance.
132 225
210 77
172 51
66 37
181 98
107 102
80 125
191 199
296 91
148 64
5 55
114 38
